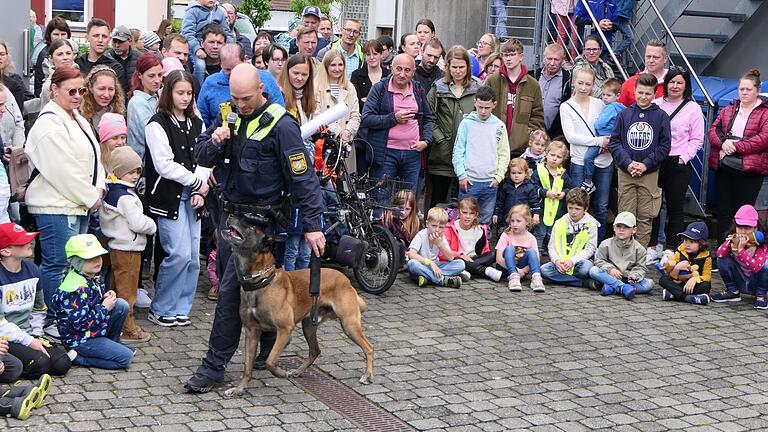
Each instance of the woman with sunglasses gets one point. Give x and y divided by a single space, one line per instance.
105 94
67 181
146 81
687 127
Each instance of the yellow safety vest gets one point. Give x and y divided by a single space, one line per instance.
254 130
550 205
563 248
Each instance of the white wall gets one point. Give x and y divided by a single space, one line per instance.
144 15
382 14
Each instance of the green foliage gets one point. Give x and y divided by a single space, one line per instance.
258 10
176 25
299 5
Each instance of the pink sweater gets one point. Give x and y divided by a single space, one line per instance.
687 128
750 260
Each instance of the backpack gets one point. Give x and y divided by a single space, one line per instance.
19 176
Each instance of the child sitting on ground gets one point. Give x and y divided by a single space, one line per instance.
620 261
19 400
611 89
124 223
404 225
687 275
423 254
743 260
537 147
468 240
517 189
517 253
89 320
22 310
572 244
554 183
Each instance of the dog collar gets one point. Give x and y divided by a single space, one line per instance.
258 280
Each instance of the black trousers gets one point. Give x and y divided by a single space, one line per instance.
677 290
673 181
479 264
35 363
734 189
439 188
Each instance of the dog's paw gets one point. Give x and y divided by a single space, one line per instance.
234 391
366 379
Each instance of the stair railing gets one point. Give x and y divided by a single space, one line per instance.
606 44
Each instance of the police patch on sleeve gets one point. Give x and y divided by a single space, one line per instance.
298 163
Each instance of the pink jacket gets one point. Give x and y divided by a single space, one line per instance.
754 145
452 235
750 262
687 128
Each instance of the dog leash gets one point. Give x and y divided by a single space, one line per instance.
314 285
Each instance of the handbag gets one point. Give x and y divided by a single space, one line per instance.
19 176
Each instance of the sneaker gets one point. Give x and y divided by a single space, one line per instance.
465 276
628 291
589 284
142 299
653 255
451 282
200 384
21 407
607 290
588 186
703 299
667 296
182 320
421 282
761 303
493 274
514 283
44 387
136 336
72 354
537 284
163 321
726 296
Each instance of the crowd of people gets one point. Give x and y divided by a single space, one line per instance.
129 163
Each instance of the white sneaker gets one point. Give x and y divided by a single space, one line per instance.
465 276
493 274
72 354
142 299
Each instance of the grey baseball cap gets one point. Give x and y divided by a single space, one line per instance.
121 33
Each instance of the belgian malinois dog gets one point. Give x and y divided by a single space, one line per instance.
285 301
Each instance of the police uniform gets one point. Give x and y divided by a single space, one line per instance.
267 161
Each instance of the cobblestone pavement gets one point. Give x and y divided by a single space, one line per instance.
478 358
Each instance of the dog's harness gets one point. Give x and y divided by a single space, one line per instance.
262 278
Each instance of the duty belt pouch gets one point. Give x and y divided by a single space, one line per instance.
350 251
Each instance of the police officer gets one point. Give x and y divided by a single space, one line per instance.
267 159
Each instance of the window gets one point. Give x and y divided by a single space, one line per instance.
74 11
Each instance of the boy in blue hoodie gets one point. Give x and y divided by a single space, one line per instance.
639 143
610 91
200 13
480 175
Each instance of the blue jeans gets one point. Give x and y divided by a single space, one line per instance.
500 8
177 276
625 27
449 268
529 259
296 253
642 286
599 198
107 352
542 233
735 281
402 164
55 230
580 272
486 198
199 70
589 164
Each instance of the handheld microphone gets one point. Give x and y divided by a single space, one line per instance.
231 119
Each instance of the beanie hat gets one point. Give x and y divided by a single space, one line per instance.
124 160
171 64
746 215
150 39
111 125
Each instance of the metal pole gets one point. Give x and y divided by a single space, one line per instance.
605 41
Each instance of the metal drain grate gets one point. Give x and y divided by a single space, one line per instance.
346 402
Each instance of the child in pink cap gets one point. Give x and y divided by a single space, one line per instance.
742 260
113 133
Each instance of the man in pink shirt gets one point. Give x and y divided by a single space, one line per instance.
399 122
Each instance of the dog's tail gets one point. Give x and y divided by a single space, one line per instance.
361 303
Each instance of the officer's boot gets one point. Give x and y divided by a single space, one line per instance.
43 387
19 407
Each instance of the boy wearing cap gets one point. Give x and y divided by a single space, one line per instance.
620 261
124 223
90 320
22 308
679 280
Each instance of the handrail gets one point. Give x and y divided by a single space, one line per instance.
605 40
682 54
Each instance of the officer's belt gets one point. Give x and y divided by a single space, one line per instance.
238 209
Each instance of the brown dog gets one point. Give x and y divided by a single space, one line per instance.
285 301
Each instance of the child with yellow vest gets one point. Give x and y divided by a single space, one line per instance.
572 244
554 183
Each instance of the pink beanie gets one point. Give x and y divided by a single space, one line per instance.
171 64
746 216
111 125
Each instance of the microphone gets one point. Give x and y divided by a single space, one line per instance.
231 119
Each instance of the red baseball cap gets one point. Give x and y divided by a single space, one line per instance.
12 234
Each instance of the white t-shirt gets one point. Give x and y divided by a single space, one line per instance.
469 238
420 244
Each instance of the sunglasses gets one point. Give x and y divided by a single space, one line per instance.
82 91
